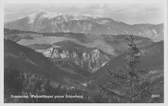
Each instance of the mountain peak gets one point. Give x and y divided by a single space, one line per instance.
42 14
42 11
44 21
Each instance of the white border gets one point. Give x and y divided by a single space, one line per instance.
84 1
88 1
165 53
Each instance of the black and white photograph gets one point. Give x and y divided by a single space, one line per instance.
95 52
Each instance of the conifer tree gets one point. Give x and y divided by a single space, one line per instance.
137 89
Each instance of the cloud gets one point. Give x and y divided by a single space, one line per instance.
129 13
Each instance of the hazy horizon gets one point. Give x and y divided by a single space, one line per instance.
128 13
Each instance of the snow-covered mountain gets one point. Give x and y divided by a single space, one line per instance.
59 22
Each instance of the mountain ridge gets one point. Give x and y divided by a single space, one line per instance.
54 22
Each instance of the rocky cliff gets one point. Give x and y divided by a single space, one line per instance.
90 60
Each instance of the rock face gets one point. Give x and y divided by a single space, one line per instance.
90 60
154 32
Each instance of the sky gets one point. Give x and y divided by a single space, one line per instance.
130 13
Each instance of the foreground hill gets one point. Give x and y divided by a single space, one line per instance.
27 60
30 75
151 67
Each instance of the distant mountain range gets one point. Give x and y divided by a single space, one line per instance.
50 22
110 44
